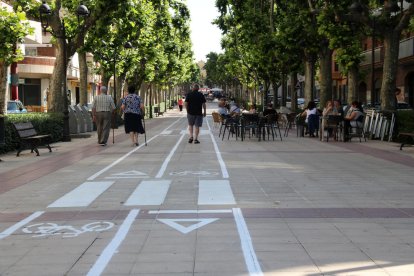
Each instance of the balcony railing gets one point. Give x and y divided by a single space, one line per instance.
406 48
367 56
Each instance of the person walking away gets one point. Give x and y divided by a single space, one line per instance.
133 109
195 103
180 104
102 107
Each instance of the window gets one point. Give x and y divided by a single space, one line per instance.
30 51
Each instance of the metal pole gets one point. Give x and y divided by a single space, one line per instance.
145 129
113 114
66 132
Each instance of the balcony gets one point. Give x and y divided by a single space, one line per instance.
406 48
367 56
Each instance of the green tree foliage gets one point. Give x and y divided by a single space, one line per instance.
13 27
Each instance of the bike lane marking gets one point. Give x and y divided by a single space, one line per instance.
82 195
174 223
224 172
168 159
215 192
149 192
250 257
112 247
20 224
119 160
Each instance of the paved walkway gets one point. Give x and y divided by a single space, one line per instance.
224 207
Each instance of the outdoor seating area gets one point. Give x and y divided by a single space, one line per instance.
250 126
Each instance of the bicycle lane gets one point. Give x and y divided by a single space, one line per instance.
25 252
195 230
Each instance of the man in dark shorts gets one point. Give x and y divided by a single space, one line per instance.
195 103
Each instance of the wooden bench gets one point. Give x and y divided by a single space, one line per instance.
28 138
408 136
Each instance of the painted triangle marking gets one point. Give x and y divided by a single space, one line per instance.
187 229
128 174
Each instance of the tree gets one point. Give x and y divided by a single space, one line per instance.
13 27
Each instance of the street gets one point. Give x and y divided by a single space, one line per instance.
222 207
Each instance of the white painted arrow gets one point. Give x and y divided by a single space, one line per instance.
174 224
128 174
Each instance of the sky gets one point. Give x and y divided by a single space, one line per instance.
204 35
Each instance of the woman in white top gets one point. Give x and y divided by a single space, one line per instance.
311 113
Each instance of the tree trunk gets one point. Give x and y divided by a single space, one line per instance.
3 87
56 94
83 72
391 50
352 84
308 82
325 78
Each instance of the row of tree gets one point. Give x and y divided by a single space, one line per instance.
156 32
267 42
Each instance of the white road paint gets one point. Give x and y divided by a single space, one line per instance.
112 247
223 167
128 174
215 192
82 195
250 258
168 159
21 223
218 211
127 154
149 192
174 223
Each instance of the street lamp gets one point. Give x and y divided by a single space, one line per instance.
45 12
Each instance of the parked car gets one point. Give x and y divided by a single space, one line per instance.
15 107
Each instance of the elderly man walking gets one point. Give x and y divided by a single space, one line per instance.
102 108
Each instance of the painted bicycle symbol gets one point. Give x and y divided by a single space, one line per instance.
67 231
197 173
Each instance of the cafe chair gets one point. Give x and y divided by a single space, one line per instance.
357 130
250 124
332 126
290 122
217 120
271 126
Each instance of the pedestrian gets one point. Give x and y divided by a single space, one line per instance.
180 104
195 103
102 107
133 109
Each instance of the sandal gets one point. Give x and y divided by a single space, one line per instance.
190 140
196 141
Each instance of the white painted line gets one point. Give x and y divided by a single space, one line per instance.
83 195
127 154
21 223
149 192
247 246
223 167
166 132
128 174
222 211
112 247
215 192
187 229
168 159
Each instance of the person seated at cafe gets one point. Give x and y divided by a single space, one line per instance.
329 110
252 109
354 118
222 108
235 109
269 110
312 118
337 108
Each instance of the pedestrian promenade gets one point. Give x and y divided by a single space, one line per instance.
222 207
